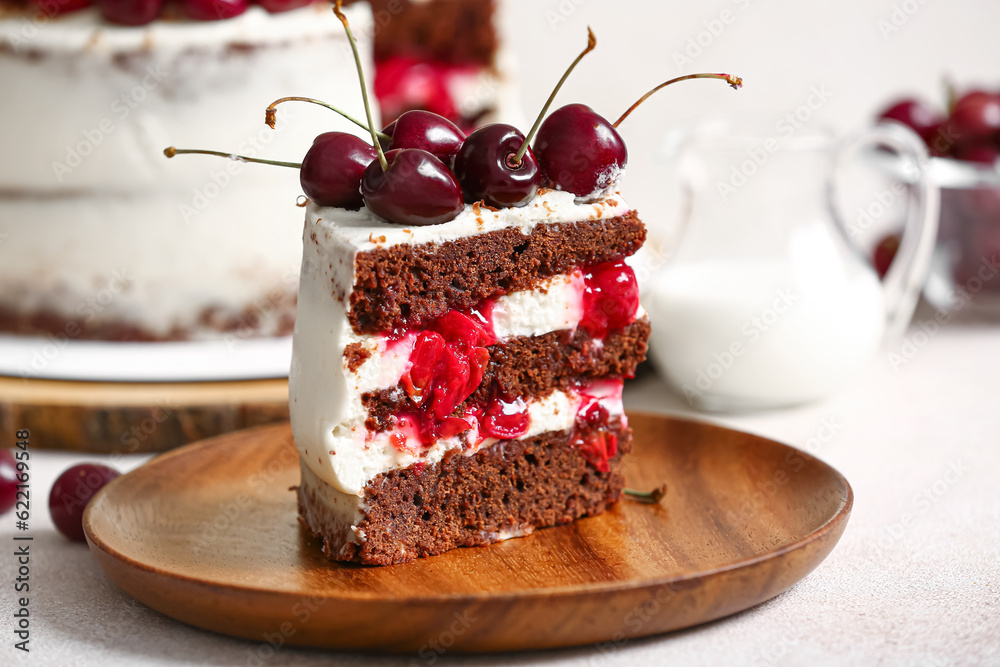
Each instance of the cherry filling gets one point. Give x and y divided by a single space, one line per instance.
450 355
597 445
403 83
610 298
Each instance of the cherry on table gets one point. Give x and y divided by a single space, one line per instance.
332 169
580 152
71 493
213 10
414 188
8 480
130 12
427 131
487 168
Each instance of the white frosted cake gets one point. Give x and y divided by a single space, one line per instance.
100 237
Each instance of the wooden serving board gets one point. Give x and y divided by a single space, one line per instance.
128 417
208 535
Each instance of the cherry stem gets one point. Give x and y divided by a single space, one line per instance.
171 152
591 43
270 114
649 497
338 10
734 81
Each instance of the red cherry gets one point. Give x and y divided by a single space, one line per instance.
610 298
417 189
976 115
486 169
8 480
213 10
461 328
403 83
885 252
59 7
986 153
427 350
919 117
580 152
332 169
427 131
452 378
130 12
278 6
71 493
506 419
597 446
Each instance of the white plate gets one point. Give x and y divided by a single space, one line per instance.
228 359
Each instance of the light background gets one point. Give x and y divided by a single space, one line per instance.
864 53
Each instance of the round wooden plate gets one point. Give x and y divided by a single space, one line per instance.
208 534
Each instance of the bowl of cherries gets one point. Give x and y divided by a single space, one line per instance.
963 139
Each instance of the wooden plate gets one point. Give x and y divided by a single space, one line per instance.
208 534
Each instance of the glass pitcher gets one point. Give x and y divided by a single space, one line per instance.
767 301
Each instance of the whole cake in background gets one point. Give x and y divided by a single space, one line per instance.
445 56
99 239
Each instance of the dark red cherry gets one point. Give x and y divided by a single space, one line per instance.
58 7
919 117
332 169
71 493
130 12
976 115
486 169
580 152
213 10
8 480
885 252
427 131
417 189
278 6
986 153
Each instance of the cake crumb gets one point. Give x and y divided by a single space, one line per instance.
355 354
478 213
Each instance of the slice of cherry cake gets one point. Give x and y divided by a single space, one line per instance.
459 384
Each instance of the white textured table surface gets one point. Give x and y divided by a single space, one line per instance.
913 582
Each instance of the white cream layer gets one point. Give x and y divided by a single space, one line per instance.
325 396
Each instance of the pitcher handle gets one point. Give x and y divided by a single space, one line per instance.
905 278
